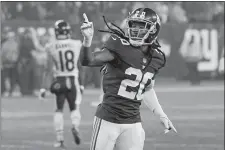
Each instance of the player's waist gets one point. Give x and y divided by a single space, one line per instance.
123 110
66 74
121 117
75 76
113 97
121 106
64 77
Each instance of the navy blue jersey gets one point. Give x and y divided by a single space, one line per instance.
125 79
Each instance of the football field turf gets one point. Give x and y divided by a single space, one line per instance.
196 112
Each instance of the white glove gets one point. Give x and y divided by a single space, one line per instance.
167 124
42 94
87 31
81 89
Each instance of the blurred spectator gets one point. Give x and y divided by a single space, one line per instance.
9 57
192 54
218 15
26 64
4 34
40 61
202 11
58 10
221 63
30 11
74 17
176 13
162 10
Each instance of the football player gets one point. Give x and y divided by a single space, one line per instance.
64 53
132 61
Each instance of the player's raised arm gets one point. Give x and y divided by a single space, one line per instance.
86 56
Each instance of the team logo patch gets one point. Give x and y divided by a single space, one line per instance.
57 86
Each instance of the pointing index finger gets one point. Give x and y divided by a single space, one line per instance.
173 128
85 17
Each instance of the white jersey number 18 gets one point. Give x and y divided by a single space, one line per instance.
66 60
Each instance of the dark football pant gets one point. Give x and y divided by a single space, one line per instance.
66 88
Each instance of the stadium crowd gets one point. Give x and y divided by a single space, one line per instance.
72 11
24 65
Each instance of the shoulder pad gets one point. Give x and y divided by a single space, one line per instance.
158 59
116 44
124 52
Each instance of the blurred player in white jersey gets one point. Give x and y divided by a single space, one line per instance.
64 54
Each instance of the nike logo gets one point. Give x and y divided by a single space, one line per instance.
113 38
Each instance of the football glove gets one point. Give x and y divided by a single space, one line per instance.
42 94
82 89
87 31
168 125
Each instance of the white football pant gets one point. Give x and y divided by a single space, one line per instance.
106 135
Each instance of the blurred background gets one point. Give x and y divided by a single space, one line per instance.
190 88
192 37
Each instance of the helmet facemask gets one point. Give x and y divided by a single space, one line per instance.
139 31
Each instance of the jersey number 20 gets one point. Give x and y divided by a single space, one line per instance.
141 80
66 60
